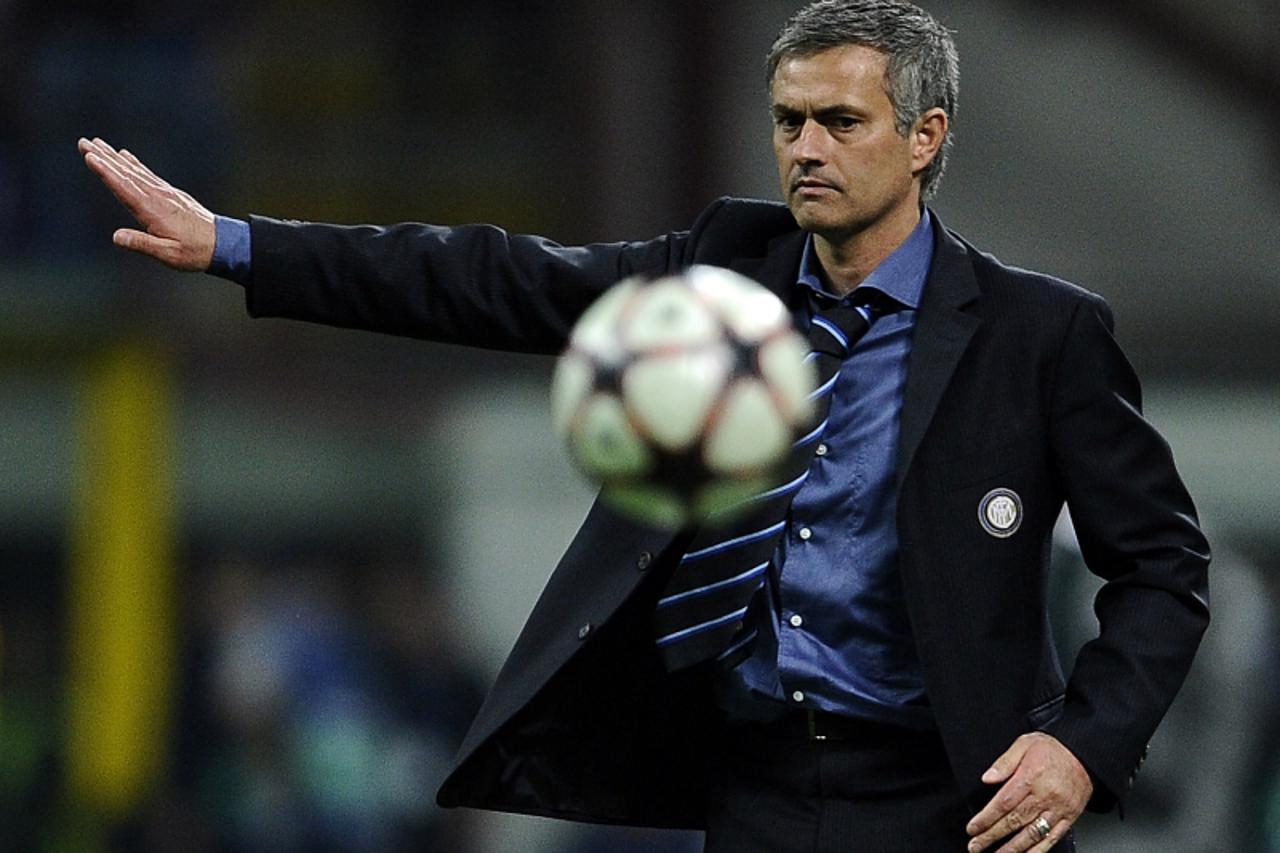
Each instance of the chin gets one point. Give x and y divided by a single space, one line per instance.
812 218
822 222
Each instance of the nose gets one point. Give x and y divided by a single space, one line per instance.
809 146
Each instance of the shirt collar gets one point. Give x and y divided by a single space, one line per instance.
900 276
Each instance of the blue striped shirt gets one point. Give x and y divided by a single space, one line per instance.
833 627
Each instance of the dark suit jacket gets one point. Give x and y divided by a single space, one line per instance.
1014 382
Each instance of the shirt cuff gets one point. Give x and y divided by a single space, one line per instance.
231 250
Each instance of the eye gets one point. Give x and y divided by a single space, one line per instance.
843 122
787 122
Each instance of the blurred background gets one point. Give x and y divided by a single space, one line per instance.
255 576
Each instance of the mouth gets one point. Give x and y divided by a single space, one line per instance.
812 187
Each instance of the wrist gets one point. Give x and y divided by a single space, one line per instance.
231 251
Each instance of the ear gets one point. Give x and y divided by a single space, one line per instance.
927 135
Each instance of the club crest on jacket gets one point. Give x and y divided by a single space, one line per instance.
1000 512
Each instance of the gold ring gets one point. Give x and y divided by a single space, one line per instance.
1040 828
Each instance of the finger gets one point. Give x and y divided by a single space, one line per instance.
103 145
104 150
135 167
130 166
1011 796
135 191
1004 766
146 244
1000 823
1055 835
124 187
1020 843
125 163
140 166
1027 839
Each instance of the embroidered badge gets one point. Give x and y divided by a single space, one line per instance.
1000 513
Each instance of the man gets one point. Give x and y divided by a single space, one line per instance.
894 686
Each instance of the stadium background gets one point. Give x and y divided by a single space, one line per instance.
254 576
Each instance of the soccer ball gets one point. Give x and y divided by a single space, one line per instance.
682 396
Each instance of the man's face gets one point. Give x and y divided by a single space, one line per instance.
843 164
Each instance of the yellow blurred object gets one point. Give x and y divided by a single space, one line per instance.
121 592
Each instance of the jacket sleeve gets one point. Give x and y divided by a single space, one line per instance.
1138 530
475 285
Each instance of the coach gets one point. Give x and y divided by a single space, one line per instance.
892 685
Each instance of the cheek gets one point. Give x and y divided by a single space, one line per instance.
784 165
878 167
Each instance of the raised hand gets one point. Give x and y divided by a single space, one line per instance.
178 230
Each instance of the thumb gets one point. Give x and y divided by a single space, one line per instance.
146 244
1004 766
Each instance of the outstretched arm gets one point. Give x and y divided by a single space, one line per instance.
177 230
475 284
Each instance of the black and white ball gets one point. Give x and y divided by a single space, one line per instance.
683 395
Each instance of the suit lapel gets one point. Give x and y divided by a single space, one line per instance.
943 331
943 328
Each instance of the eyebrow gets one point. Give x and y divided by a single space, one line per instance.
783 111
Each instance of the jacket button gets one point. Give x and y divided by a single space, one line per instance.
643 561
584 631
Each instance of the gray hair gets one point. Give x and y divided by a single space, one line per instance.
923 70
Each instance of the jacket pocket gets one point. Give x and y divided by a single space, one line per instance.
1046 712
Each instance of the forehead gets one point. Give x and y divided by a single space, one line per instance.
845 74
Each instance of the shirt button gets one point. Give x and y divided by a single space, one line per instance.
805 533
584 631
796 620
822 450
798 696
643 561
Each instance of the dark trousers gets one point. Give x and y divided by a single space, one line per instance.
872 789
